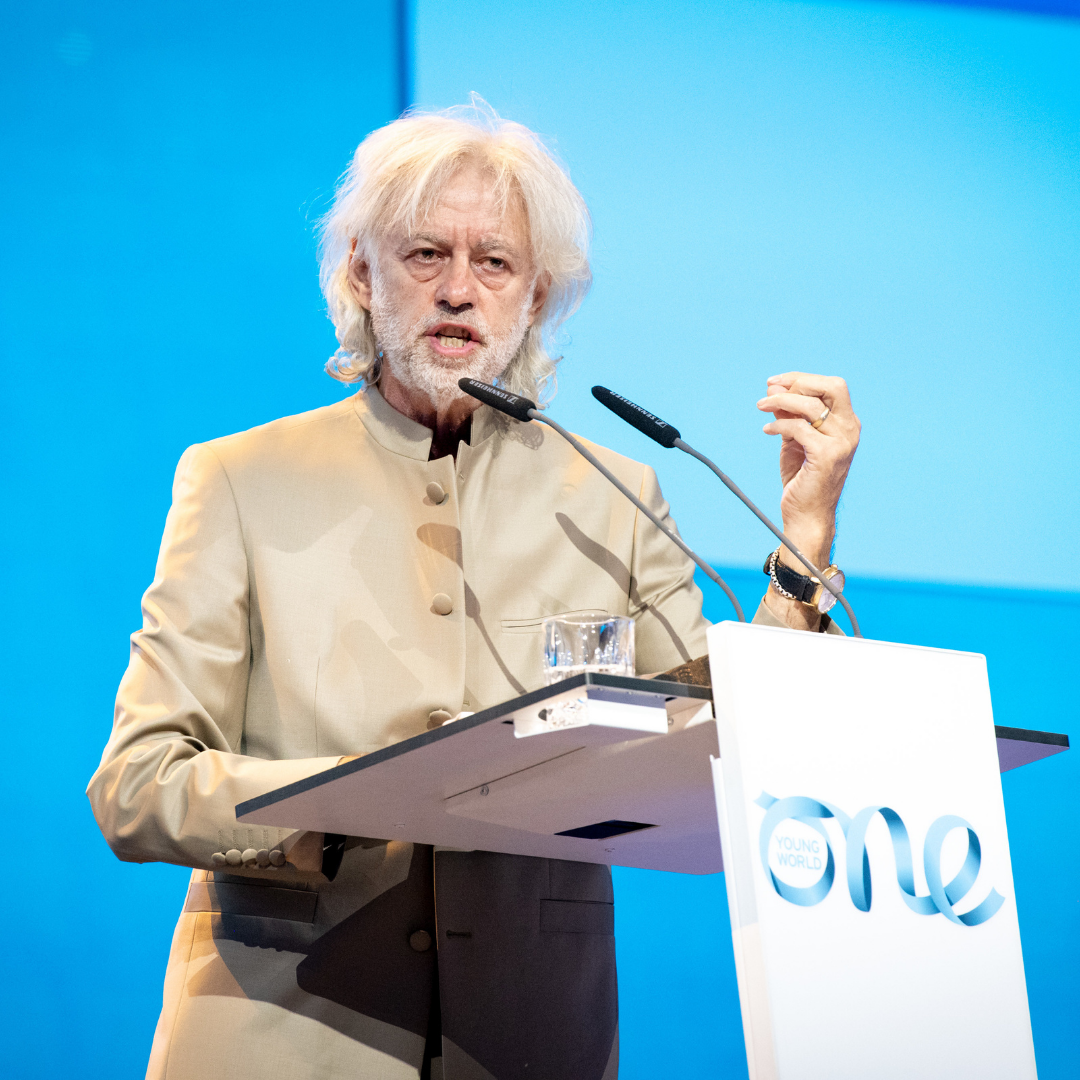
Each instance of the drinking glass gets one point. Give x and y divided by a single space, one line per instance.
587 641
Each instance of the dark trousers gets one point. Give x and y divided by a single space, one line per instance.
522 978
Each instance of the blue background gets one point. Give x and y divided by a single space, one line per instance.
884 191
887 191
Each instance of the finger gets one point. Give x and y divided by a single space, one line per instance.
808 385
809 408
830 388
785 380
800 431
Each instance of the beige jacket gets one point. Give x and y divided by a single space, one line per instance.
292 619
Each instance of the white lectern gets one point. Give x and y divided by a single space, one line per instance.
860 820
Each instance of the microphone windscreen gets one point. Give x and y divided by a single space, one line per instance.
637 417
512 404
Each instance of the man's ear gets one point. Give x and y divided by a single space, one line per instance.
359 279
540 295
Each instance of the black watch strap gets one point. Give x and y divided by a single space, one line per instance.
799 586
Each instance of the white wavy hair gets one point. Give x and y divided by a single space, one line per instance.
395 179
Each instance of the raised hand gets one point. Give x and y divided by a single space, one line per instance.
820 432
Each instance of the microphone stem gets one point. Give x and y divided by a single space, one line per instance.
673 537
814 571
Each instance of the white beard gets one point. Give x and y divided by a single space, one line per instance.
417 366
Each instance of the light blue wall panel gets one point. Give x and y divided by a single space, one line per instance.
884 191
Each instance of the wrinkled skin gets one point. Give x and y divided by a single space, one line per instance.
813 467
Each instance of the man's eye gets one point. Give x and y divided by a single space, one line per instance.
496 264
427 253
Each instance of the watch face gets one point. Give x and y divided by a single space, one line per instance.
826 601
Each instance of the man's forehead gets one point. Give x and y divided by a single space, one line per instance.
478 238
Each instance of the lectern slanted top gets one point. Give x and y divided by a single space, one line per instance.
631 786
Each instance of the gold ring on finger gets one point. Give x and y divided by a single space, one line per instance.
816 425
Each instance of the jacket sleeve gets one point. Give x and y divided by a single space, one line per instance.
664 601
173 771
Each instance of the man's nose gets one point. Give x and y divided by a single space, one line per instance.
457 289
450 309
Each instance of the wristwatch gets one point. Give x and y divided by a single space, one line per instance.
807 590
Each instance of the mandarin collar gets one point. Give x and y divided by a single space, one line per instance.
397 433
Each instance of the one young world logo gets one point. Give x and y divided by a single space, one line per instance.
798 858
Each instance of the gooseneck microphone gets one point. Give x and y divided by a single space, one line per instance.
667 436
658 430
521 408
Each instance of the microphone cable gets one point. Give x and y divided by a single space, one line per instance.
521 408
667 436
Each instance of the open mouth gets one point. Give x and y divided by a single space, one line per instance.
454 336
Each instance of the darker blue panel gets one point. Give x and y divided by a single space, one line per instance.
403 39
1064 8
164 165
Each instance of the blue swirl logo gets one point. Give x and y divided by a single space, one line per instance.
807 856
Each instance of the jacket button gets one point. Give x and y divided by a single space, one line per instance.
249 856
277 857
442 604
263 858
420 941
437 717
233 857
218 858
436 493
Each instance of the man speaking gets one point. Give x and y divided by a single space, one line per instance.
334 582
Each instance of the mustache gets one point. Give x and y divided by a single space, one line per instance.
466 318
